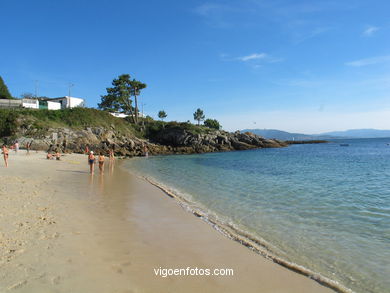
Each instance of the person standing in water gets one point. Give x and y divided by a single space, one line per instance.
101 162
5 154
91 162
16 146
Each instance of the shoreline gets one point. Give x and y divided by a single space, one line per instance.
68 231
260 246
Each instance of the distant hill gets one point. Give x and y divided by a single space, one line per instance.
352 133
284 135
360 133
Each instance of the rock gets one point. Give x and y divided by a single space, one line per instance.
168 140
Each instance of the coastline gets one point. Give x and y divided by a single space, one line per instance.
107 234
259 246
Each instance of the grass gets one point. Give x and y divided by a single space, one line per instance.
35 122
76 118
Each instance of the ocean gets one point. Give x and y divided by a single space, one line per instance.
323 207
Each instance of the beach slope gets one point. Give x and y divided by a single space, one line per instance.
63 230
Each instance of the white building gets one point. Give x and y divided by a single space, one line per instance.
43 103
69 102
119 115
53 105
30 103
123 115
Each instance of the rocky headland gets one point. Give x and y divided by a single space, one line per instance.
100 132
169 141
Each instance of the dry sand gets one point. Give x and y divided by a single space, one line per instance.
62 230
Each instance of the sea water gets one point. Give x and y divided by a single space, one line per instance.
325 207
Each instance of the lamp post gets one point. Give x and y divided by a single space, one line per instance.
70 86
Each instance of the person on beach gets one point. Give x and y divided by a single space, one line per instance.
91 162
146 153
58 156
49 156
111 155
5 154
101 162
28 146
16 146
87 149
64 145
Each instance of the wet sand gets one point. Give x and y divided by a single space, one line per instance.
62 230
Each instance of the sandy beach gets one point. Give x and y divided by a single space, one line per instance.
63 230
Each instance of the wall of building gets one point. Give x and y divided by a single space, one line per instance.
53 105
75 102
6 103
30 103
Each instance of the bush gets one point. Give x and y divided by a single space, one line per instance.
8 125
212 123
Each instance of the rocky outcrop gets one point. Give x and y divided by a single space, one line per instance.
182 141
174 140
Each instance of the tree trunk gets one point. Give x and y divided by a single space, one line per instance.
130 109
132 115
136 108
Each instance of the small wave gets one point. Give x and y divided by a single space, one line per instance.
243 237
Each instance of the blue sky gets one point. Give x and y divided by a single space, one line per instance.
296 65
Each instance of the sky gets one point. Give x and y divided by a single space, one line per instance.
306 66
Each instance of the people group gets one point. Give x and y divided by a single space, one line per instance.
54 152
100 160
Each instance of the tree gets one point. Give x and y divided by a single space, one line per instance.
162 115
137 86
4 93
212 123
199 116
118 96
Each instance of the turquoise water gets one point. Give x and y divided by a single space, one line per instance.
322 206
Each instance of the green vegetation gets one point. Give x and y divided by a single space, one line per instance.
76 118
212 123
4 93
199 116
119 96
153 128
162 115
7 122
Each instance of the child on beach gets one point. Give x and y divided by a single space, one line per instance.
5 154
58 156
101 162
91 162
